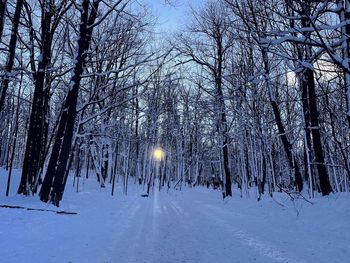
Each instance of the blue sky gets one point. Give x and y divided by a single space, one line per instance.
173 16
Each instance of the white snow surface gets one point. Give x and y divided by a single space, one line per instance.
191 225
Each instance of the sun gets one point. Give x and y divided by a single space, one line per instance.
158 154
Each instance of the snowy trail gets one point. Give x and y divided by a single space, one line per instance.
263 248
188 226
161 229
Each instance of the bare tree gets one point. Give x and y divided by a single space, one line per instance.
36 139
207 44
54 181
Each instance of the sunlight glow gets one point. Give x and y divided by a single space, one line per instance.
158 154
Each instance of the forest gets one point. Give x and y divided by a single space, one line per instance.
249 93
224 137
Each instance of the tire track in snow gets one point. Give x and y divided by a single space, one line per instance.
177 209
124 220
138 240
200 242
247 239
185 236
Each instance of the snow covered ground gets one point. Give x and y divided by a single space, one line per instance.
194 225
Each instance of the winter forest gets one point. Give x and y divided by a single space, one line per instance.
226 139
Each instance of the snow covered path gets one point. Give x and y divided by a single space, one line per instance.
160 229
194 225
164 230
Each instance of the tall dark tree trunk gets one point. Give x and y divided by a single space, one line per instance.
225 151
287 146
309 89
53 184
325 185
2 15
223 119
306 116
11 56
298 51
36 132
138 156
104 161
293 164
15 138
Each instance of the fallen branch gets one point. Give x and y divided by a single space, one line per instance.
295 195
278 202
177 183
38 209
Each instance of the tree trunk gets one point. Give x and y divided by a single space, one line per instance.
11 56
309 90
2 15
293 164
36 132
223 120
53 184
306 116
15 137
222 108
316 134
